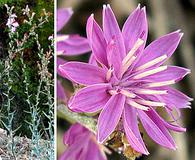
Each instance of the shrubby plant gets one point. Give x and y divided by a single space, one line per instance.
26 82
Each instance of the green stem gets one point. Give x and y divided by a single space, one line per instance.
73 117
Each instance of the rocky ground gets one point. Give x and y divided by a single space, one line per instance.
21 150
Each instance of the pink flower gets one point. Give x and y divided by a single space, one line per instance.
81 145
128 82
12 23
69 44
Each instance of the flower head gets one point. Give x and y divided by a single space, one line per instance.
12 23
69 44
126 81
81 145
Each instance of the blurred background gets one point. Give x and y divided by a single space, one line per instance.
163 17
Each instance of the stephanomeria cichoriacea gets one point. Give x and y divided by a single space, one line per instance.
128 82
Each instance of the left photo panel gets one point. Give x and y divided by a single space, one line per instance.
27 80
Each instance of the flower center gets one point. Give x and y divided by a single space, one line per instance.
134 86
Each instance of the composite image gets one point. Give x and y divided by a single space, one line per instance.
97 80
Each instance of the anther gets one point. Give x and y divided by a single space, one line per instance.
159 84
150 103
138 43
127 93
136 105
151 63
150 91
150 72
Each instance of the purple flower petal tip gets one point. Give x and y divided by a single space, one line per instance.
179 33
63 15
143 9
70 10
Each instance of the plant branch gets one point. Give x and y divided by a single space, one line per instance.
73 117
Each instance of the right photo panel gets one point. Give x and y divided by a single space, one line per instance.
125 80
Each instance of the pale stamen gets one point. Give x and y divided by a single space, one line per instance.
62 38
151 63
127 65
137 105
150 91
159 84
130 58
109 74
127 93
150 72
150 103
138 43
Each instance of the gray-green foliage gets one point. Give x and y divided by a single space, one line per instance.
26 82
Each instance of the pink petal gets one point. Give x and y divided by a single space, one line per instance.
73 134
169 107
110 116
73 45
156 129
112 30
174 127
112 53
174 73
71 152
75 151
92 60
61 94
132 130
165 45
90 99
97 41
89 27
60 61
175 98
94 152
135 27
63 15
83 73
170 126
